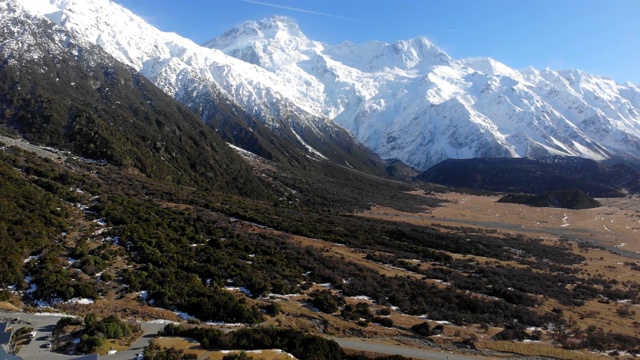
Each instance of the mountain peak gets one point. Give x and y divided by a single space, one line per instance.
270 43
492 67
267 29
278 22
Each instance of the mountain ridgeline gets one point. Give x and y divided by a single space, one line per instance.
69 94
406 100
535 176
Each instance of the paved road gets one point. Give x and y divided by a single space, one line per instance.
362 345
44 325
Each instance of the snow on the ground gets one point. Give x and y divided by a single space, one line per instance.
31 258
162 321
184 315
81 301
54 314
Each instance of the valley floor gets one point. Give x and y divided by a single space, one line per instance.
616 224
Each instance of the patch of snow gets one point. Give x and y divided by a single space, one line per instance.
184 315
308 147
55 314
81 301
31 258
214 323
443 322
162 321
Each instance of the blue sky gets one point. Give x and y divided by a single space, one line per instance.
599 36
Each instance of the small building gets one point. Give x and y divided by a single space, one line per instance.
5 338
6 356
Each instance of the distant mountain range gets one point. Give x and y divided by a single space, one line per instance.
408 100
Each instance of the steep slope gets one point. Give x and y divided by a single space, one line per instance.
67 93
535 176
411 101
201 78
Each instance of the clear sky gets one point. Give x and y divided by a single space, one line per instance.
598 36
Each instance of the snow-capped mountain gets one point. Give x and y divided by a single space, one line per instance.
201 77
407 100
71 96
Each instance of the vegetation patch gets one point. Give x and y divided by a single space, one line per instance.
569 199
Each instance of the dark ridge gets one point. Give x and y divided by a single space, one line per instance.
568 199
535 176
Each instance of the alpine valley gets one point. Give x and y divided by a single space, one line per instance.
260 194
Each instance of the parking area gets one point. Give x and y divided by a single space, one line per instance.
43 325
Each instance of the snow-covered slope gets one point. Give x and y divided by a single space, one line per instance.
407 100
410 100
200 77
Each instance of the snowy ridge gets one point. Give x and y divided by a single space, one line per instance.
177 65
410 100
407 100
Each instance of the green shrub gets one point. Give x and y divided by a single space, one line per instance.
325 301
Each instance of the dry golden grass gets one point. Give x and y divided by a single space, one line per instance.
352 255
4 305
615 223
537 349
126 307
297 315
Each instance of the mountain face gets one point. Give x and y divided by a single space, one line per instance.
411 101
407 100
63 92
202 78
535 176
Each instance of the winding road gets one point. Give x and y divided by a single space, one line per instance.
44 324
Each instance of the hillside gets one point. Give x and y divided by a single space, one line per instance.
535 176
73 96
569 199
